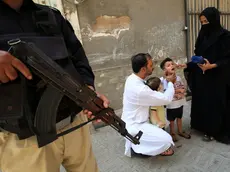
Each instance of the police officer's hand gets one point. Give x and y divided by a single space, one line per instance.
8 66
103 98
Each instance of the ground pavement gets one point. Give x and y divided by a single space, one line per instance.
194 155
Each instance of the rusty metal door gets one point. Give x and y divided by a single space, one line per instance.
192 9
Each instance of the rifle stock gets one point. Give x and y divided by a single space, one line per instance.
60 84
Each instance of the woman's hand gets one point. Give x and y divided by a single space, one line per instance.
179 66
207 66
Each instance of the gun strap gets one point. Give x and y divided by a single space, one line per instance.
75 128
82 124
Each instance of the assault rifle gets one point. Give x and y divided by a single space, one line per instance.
60 83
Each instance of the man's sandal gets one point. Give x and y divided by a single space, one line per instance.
185 135
174 137
168 152
134 154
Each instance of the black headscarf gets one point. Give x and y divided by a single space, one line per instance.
208 32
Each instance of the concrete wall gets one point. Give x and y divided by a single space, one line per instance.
113 30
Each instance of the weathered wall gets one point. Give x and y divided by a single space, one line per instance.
113 30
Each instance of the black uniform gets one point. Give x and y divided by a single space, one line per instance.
52 34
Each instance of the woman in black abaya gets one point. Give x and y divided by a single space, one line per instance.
208 82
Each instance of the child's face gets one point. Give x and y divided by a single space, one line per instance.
170 67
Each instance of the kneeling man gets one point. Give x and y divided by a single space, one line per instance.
137 99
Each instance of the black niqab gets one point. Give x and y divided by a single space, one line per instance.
210 32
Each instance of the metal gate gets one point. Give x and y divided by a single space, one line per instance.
192 10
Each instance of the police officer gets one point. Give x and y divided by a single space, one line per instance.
41 24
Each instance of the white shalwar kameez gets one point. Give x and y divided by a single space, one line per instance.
137 99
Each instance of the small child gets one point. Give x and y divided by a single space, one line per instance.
157 113
175 109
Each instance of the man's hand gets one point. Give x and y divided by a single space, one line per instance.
170 77
206 66
8 66
105 103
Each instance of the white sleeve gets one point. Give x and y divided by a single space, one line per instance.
148 97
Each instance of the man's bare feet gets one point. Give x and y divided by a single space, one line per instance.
174 137
168 152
